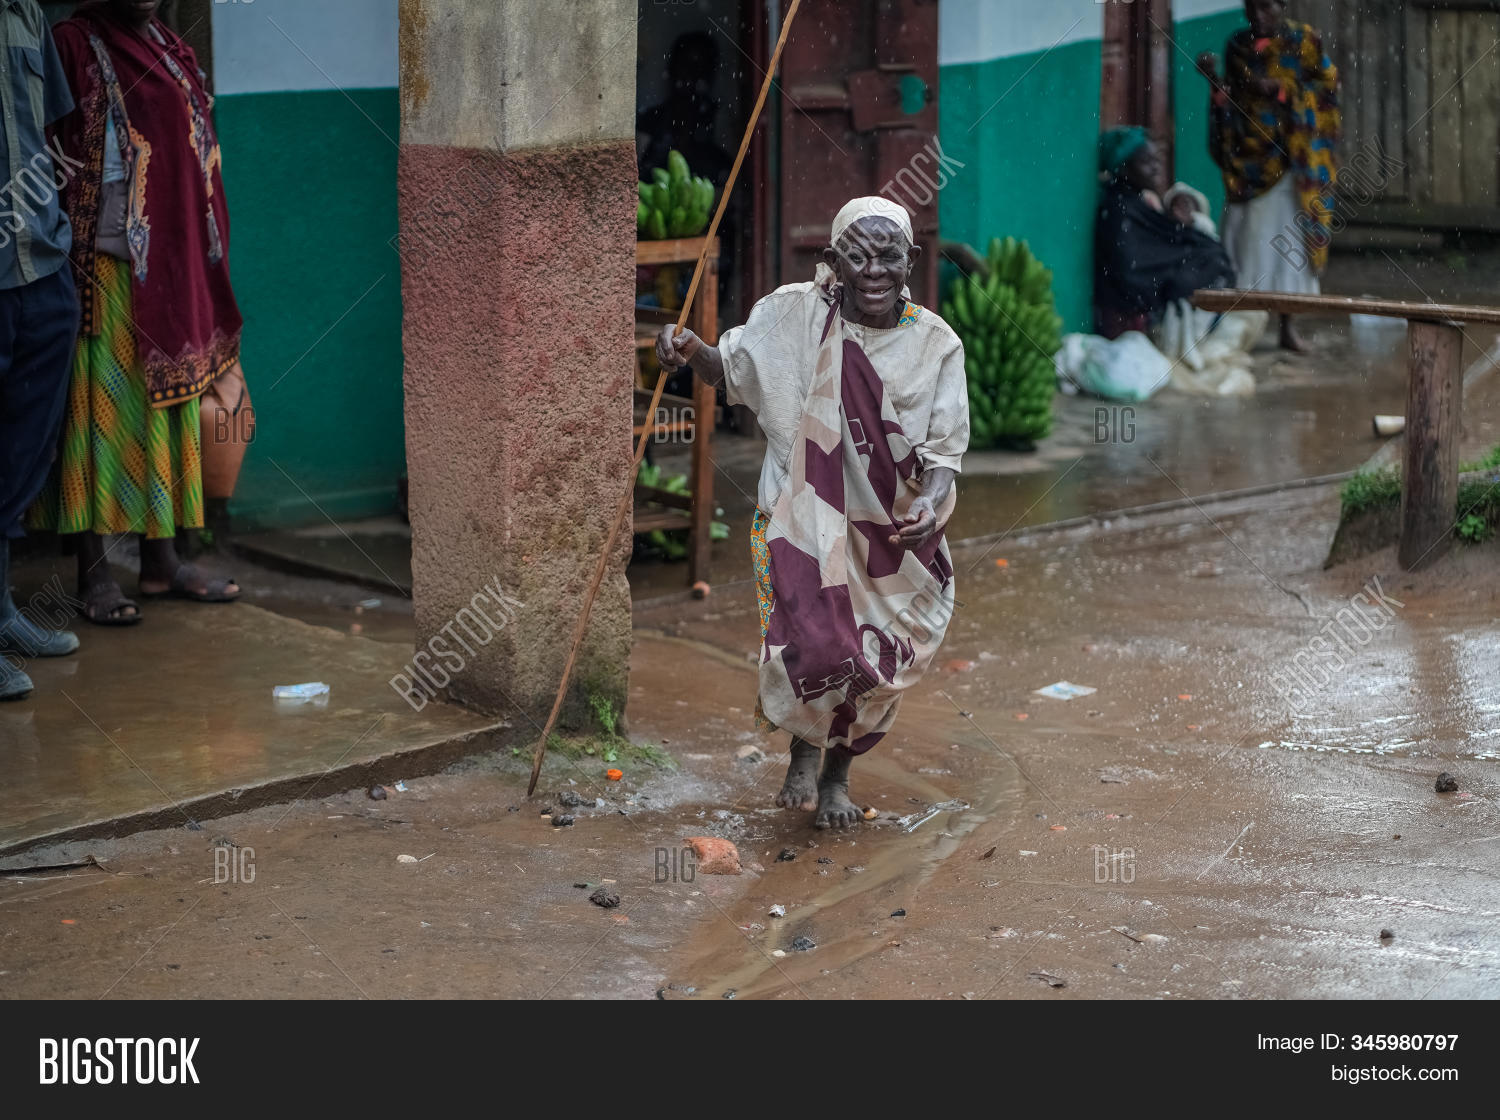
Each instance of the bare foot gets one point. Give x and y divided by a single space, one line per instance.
1290 339
800 790
835 810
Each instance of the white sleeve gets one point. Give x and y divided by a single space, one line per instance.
948 424
763 358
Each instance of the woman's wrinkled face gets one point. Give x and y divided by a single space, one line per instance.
1265 16
873 260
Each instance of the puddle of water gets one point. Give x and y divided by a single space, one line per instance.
890 856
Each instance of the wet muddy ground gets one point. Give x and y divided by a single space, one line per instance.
1195 828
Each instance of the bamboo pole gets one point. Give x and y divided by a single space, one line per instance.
640 448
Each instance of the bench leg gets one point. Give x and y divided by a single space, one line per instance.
1429 487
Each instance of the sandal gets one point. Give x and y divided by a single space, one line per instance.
214 591
104 604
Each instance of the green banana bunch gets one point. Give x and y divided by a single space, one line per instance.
675 203
1010 329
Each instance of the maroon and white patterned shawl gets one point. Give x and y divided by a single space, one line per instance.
857 619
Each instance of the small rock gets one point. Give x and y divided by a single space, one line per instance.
786 855
778 952
825 859
605 898
562 822
729 994
376 793
570 800
716 856
777 911
1446 783
898 913
803 944
1387 935
1047 978
406 859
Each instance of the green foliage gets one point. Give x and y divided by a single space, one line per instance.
1011 331
1473 528
1477 509
604 711
1371 490
1488 463
675 203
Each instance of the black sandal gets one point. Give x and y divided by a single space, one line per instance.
103 602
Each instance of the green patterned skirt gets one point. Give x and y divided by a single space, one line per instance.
123 466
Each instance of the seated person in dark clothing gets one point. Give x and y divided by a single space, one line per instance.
1143 258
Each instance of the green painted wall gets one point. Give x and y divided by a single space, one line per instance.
1190 101
1030 162
311 183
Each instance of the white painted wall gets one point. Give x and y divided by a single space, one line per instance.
266 46
979 30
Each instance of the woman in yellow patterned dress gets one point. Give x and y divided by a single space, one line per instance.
1274 131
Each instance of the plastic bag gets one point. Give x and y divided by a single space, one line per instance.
1210 353
1128 368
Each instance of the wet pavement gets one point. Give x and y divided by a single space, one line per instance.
174 718
1192 829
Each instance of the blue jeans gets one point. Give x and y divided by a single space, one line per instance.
38 329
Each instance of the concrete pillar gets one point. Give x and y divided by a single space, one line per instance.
517 244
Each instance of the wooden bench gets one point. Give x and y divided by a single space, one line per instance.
1434 393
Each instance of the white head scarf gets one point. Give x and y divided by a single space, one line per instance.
871 206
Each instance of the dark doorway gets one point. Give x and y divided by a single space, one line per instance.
1136 85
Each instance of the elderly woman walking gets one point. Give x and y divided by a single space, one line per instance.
862 397
159 320
1274 131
